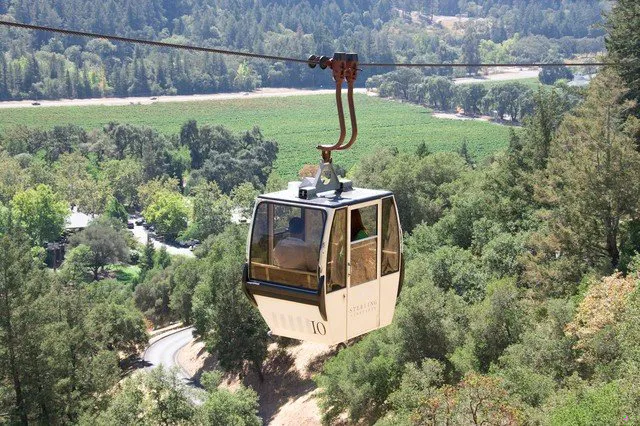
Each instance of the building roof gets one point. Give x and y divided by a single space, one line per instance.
77 220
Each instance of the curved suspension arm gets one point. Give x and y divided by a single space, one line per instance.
352 114
326 149
344 67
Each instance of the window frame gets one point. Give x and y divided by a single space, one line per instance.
394 209
270 226
345 230
375 204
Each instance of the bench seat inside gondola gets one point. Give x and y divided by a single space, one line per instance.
276 274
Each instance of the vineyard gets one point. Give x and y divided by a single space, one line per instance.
382 123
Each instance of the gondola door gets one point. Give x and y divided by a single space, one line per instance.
363 277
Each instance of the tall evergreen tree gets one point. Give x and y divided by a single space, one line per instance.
21 284
31 74
4 80
594 174
68 85
623 43
86 84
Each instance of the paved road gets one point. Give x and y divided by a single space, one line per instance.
140 235
164 351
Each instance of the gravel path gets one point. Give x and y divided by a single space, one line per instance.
260 93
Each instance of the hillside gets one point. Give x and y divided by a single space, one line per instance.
42 66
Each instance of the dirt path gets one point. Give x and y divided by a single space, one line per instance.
452 116
501 74
260 93
287 395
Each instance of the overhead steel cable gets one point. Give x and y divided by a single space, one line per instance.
483 65
148 42
282 58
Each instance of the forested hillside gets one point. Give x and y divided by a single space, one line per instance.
39 65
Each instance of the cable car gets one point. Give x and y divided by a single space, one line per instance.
324 259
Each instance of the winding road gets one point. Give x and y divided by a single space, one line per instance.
164 351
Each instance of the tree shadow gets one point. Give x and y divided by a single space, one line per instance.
282 383
316 364
210 364
131 363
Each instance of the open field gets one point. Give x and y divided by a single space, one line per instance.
532 83
298 124
124 273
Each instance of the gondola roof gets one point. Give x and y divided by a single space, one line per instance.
330 199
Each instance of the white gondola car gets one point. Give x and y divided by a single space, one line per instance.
325 268
324 259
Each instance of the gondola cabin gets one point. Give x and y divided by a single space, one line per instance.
324 268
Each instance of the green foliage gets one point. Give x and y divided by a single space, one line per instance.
41 213
43 66
186 277
477 399
243 199
230 326
149 398
500 256
152 296
430 323
510 98
495 323
148 255
115 210
59 346
419 383
159 396
549 75
119 327
106 241
211 211
453 268
124 176
78 186
161 258
588 406
545 351
470 96
228 159
593 174
168 212
359 380
13 178
623 43
77 263
422 188
225 408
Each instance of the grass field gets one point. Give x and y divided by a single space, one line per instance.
297 123
532 83
124 273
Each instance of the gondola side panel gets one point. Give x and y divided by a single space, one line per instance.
297 321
